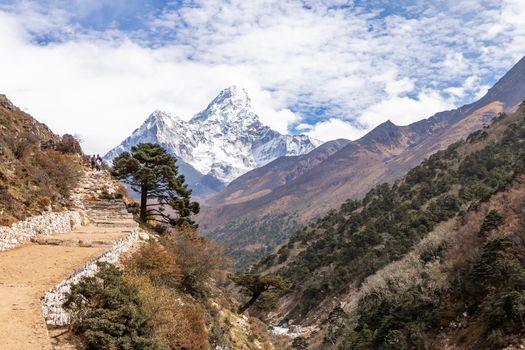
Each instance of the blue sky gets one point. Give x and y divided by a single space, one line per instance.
328 68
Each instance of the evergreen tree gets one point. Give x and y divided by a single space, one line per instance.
255 286
151 171
107 312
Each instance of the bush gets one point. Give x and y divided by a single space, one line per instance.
174 324
157 263
199 260
69 144
23 145
57 172
300 343
107 312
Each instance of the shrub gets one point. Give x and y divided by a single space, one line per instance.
174 324
300 343
57 172
69 144
107 312
199 260
157 263
23 144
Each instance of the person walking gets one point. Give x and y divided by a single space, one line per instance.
93 162
98 163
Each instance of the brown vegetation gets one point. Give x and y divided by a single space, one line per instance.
175 324
157 263
179 282
199 260
38 169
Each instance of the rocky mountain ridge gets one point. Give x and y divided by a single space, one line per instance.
219 144
383 155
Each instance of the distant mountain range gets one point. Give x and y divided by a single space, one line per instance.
264 206
433 260
219 144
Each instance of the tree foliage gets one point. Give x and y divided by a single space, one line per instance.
174 324
157 263
199 260
151 171
492 221
256 286
107 312
342 249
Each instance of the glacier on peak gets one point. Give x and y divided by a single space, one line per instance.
223 141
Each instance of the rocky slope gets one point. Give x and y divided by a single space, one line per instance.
218 144
38 169
433 261
245 212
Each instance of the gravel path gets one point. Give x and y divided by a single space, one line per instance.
28 271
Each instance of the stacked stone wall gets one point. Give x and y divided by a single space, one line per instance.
23 231
54 313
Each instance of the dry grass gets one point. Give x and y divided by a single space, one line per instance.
400 276
37 169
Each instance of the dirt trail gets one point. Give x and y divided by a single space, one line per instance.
28 271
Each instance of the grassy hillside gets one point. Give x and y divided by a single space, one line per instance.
434 259
38 169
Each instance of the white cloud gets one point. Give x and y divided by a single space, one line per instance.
358 68
104 91
304 127
332 129
404 110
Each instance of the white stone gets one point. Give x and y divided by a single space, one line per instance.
23 231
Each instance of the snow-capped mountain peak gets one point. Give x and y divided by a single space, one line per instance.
231 105
223 141
163 118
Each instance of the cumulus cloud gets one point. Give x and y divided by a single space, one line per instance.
324 67
404 110
332 129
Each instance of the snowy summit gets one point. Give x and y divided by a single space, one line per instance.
224 141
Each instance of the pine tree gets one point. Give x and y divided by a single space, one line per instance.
254 286
151 171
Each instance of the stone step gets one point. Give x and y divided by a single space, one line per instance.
99 207
117 210
101 217
111 201
110 213
124 215
115 223
110 218
104 204
84 243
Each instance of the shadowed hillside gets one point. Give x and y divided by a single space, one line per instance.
432 260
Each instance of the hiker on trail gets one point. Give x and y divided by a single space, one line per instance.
93 162
98 163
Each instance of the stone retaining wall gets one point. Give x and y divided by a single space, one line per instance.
52 301
15 235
